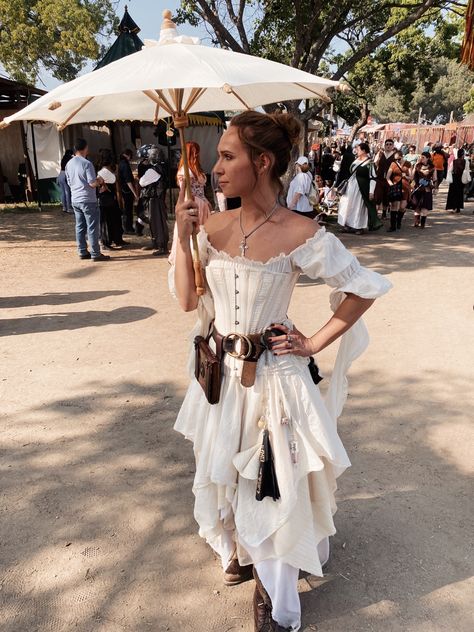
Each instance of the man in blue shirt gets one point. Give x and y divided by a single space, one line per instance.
82 180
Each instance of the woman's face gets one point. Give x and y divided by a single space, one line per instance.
424 160
359 152
237 174
319 181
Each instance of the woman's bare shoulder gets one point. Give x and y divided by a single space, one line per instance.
217 221
299 227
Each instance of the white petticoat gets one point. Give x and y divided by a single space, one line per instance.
352 210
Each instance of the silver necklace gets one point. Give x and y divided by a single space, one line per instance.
243 244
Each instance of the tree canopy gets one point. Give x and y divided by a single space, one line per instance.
304 33
416 69
377 45
57 35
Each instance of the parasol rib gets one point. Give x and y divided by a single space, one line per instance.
195 95
230 90
156 99
174 94
164 100
323 97
62 125
191 96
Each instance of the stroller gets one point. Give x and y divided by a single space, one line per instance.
329 206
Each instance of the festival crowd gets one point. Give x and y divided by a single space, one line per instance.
361 184
369 182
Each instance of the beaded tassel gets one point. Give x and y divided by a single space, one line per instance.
294 451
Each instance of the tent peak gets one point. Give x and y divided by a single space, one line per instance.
127 25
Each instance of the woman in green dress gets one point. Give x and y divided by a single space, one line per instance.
357 209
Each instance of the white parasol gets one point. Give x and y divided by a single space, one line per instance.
174 76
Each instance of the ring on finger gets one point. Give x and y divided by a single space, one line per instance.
289 337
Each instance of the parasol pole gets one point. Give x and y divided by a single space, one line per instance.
180 121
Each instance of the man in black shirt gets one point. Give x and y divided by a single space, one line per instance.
127 188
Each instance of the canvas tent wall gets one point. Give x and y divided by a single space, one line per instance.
14 96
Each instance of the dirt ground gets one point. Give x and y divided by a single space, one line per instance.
96 514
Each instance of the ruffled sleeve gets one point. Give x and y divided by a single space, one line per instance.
205 308
325 257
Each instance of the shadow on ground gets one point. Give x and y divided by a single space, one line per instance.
116 504
37 323
50 225
445 241
57 298
393 546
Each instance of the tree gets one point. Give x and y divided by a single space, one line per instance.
448 94
303 33
417 68
57 35
469 105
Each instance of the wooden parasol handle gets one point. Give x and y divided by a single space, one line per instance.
180 122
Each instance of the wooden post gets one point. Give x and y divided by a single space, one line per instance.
35 159
30 178
2 186
306 127
420 111
169 176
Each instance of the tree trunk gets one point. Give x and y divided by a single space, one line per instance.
364 117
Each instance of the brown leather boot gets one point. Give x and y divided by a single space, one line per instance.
262 609
235 574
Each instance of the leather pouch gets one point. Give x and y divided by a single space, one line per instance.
207 370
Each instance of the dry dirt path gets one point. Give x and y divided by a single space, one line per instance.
96 524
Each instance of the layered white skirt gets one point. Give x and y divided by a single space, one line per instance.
227 441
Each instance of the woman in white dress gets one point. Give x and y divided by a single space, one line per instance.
268 453
357 210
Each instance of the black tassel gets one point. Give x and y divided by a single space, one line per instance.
314 371
267 484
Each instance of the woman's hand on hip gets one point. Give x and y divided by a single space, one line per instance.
291 341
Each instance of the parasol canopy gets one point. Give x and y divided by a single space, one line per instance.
175 74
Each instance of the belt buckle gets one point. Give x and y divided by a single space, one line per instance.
231 339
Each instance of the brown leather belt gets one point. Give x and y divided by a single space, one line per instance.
245 347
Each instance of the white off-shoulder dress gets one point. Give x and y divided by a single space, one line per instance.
247 296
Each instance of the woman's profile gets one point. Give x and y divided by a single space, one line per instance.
267 453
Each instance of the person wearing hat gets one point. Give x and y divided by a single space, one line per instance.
152 190
297 199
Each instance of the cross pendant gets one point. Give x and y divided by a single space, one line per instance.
243 247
